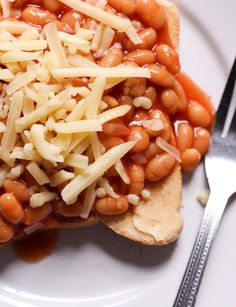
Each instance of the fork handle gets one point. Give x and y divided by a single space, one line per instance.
188 290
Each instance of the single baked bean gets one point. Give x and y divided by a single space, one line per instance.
18 188
34 215
160 75
152 150
112 206
158 115
149 37
169 101
90 57
198 115
151 93
178 89
110 141
159 167
141 57
137 176
201 140
137 86
73 210
190 158
60 26
112 58
6 231
184 137
127 100
22 3
71 17
37 16
110 101
166 134
127 7
140 115
168 57
115 129
151 13
11 209
52 6
141 137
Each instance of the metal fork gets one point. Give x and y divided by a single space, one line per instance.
220 167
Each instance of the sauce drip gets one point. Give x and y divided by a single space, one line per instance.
37 247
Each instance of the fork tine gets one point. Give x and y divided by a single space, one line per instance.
225 100
233 123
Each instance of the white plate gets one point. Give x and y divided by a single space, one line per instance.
94 267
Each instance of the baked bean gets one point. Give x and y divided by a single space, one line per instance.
22 3
170 101
137 86
140 115
184 137
90 57
159 115
127 100
109 142
112 58
6 232
201 140
71 17
35 215
168 57
151 13
166 134
127 7
73 210
149 37
115 129
60 26
198 115
190 158
112 206
151 93
52 6
110 101
11 209
178 89
160 75
18 188
37 16
152 150
141 137
159 167
141 57
137 176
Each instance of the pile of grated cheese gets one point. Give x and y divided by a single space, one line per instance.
49 126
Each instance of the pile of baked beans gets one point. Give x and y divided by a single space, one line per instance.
186 112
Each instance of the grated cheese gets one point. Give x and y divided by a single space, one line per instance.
168 148
6 75
145 194
6 11
37 173
47 150
4 169
54 43
78 42
122 172
60 177
95 144
113 113
53 104
5 156
14 27
21 81
100 192
94 99
114 21
31 45
133 199
9 136
77 161
39 199
88 125
19 56
106 72
96 170
88 200
104 183
105 42
97 37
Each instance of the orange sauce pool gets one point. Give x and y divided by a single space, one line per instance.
37 247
